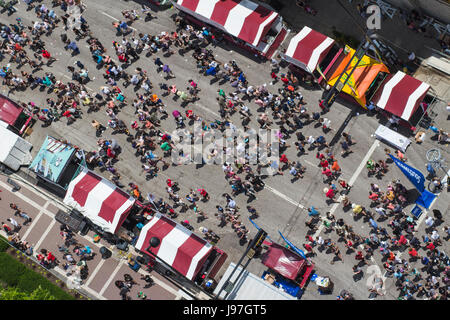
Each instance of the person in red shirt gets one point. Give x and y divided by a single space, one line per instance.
310 239
373 196
110 153
284 79
413 252
323 163
320 156
309 248
430 246
344 184
6 228
274 77
349 245
330 194
204 194
402 240
46 54
327 172
359 256
284 159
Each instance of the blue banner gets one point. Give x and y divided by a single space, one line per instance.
257 227
414 175
294 248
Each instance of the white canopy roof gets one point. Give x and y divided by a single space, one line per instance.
14 150
250 287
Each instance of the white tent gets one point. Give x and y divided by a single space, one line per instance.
14 150
250 287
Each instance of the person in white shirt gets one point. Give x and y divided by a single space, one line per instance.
429 222
14 223
434 235
381 211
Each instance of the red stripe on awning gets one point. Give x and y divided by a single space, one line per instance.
252 22
400 95
190 4
9 110
111 204
84 187
160 230
221 11
305 48
186 252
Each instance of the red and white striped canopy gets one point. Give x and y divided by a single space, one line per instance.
308 48
99 200
243 19
179 247
401 95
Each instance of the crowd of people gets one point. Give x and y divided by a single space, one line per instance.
153 145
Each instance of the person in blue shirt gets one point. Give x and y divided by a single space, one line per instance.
123 26
312 211
242 77
74 47
211 71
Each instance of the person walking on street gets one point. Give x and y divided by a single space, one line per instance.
15 224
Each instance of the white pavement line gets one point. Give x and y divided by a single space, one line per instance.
352 180
375 144
104 13
278 193
92 276
92 292
160 283
310 163
332 210
111 277
35 220
44 235
28 200
40 192
444 179
206 109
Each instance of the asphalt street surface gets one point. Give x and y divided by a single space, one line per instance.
282 204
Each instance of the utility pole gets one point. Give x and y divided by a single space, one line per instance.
249 253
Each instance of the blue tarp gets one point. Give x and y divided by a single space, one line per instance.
286 285
52 159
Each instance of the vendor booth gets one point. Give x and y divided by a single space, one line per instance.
14 115
250 287
392 138
57 162
99 200
180 248
365 80
401 95
289 271
14 151
256 26
311 51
